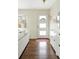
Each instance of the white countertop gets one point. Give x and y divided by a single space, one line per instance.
21 33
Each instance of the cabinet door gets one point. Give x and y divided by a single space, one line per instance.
57 43
22 44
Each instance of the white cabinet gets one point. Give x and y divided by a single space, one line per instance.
55 42
22 44
54 36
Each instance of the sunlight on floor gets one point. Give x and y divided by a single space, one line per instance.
42 48
42 44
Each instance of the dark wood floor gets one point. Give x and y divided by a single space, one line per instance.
39 49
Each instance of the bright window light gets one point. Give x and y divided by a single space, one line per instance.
58 24
42 17
58 18
42 48
42 25
42 44
42 32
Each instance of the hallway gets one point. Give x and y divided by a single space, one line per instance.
38 49
38 19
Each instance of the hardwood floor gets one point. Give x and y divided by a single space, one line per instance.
39 49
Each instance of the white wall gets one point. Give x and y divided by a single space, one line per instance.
55 8
53 14
32 21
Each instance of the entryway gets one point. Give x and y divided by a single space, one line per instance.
42 26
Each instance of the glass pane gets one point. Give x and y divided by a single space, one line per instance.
42 33
58 24
42 17
42 25
58 18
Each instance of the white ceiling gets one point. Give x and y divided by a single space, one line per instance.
35 4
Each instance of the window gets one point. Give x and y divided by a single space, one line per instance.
42 33
42 25
43 17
